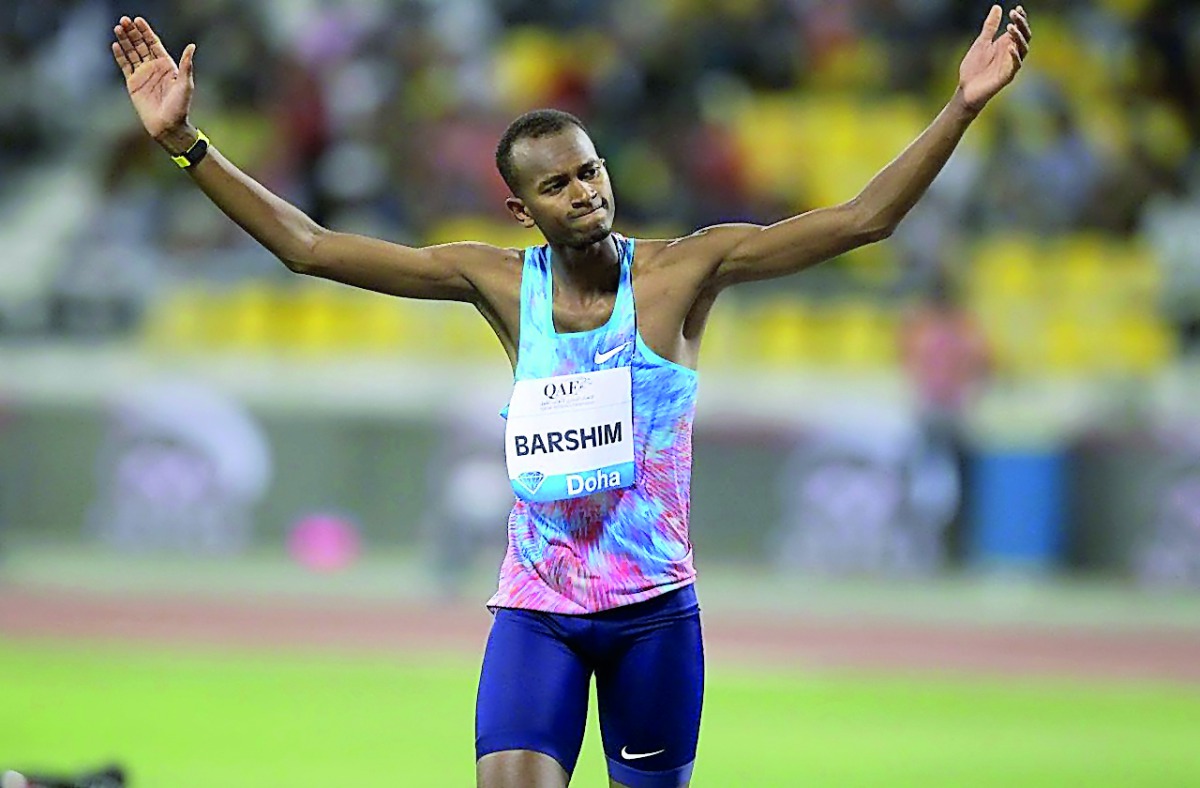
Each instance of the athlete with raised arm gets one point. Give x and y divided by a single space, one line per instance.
603 334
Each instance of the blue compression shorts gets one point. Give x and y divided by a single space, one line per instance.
649 665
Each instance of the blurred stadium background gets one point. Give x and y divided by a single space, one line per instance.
964 450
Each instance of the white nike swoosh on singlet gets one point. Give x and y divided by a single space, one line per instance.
633 756
600 358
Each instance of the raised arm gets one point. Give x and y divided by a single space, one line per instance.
161 92
794 244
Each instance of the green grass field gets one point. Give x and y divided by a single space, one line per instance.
250 719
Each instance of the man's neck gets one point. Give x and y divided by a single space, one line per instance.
586 270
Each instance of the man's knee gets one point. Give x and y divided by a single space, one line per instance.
519 769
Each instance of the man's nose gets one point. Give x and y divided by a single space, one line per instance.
582 194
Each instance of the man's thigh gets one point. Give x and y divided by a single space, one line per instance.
533 696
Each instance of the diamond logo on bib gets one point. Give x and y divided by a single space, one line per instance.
532 480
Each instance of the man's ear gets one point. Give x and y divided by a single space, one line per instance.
516 206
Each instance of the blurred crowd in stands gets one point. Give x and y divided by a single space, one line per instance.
381 116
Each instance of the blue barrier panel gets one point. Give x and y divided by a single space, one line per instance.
1017 509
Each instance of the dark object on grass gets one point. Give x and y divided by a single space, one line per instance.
109 777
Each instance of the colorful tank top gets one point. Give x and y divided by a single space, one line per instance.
619 546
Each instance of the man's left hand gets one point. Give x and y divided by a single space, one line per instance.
992 62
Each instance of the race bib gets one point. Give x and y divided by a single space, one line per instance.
571 435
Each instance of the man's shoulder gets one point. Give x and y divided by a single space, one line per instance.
705 244
483 257
484 252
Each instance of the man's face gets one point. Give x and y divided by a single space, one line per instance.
564 188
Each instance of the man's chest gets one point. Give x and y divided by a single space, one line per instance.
663 300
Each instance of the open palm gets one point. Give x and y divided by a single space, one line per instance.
991 62
160 90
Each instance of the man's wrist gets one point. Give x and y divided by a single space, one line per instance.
958 105
179 139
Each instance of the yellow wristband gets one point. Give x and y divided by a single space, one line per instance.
193 155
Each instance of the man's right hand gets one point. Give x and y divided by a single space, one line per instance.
160 90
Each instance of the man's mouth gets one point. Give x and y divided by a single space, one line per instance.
591 210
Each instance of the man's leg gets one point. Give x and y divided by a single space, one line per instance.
512 768
532 703
650 696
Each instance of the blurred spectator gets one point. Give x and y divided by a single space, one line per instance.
945 352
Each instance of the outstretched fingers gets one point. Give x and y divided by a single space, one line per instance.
127 48
142 27
185 60
122 60
1016 39
1019 46
1020 31
1021 18
992 23
137 39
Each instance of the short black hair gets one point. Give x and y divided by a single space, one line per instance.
531 125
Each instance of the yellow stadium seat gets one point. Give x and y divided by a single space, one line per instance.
1128 10
219 309
1018 340
1079 279
852 67
1163 129
176 322
310 320
785 333
1006 268
1068 346
527 65
382 325
1064 57
252 316
772 143
1144 343
422 328
1139 276
723 344
866 337
875 265
463 334
1106 124
838 171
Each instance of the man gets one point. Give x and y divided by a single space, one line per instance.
598 575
